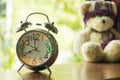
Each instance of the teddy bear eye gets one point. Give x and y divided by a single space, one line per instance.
103 21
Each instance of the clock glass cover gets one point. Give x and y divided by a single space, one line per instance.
34 48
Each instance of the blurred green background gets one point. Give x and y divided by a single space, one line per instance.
65 14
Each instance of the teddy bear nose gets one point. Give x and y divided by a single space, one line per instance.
103 21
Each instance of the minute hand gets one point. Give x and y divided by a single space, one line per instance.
34 43
31 45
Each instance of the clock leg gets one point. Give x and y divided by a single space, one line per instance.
20 68
48 70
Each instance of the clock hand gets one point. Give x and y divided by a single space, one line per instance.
31 45
30 51
35 48
34 43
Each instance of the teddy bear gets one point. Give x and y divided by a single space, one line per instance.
99 41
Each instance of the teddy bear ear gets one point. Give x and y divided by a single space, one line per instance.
84 7
114 8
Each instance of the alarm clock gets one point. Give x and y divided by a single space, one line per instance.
37 49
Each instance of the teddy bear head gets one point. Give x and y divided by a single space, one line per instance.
98 15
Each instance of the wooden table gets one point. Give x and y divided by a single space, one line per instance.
73 71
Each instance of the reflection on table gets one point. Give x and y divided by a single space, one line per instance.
96 71
72 71
35 76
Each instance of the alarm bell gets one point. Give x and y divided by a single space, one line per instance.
50 26
24 26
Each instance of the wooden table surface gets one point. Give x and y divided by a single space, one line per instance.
73 71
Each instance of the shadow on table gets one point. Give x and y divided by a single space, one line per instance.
35 76
117 78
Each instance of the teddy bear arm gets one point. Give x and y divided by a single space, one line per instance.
83 36
115 33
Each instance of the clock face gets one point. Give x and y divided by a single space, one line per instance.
34 48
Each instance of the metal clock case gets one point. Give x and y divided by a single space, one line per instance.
37 49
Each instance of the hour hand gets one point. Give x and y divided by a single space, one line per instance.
30 51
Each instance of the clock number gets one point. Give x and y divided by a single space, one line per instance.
34 61
26 42
22 47
40 60
37 36
29 37
46 56
33 37
48 47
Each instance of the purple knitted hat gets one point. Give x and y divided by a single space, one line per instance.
100 12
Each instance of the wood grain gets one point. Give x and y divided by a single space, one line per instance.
71 71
